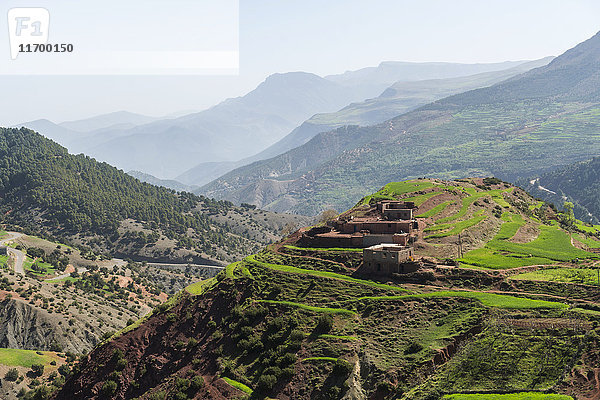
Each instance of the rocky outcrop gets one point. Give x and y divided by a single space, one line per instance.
23 326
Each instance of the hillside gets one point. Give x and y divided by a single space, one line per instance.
578 183
49 192
518 312
403 95
544 118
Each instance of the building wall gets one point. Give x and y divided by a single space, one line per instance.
371 240
388 261
378 227
404 214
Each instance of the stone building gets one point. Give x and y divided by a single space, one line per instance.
388 259
395 210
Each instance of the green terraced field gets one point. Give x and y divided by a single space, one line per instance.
552 245
467 201
511 396
309 308
238 385
570 275
394 189
590 242
456 228
435 210
323 274
487 299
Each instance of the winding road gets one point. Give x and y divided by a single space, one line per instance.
17 255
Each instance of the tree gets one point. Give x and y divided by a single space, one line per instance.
327 215
568 217
12 374
288 229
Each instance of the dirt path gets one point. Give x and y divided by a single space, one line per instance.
80 270
14 254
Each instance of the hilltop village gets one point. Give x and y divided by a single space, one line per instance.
386 230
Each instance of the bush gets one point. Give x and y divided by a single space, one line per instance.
37 369
413 348
342 368
64 370
108 388
196 383
12 374
324 323
266 383
121 364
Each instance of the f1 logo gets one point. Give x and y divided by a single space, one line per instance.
27 26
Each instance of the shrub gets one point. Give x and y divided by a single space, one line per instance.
287 359
108 388
182 384
266 383
171 317
324 323
413 347
196 383
342 368
121 364
12 374
37 369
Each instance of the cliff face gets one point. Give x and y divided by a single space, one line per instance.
23 326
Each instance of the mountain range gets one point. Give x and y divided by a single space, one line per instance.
199 147
526 125
402 96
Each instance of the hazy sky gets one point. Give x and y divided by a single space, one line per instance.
324 37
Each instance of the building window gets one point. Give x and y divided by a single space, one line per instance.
378 267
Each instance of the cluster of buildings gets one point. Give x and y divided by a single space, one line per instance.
385 232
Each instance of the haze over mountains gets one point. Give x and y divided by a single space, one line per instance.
402 96
237 131
533 122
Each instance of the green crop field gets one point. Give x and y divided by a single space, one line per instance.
394 189
199 288
238 385
467 201
422 198
323 274
590 242
42 268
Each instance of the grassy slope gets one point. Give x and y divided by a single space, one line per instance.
25 358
